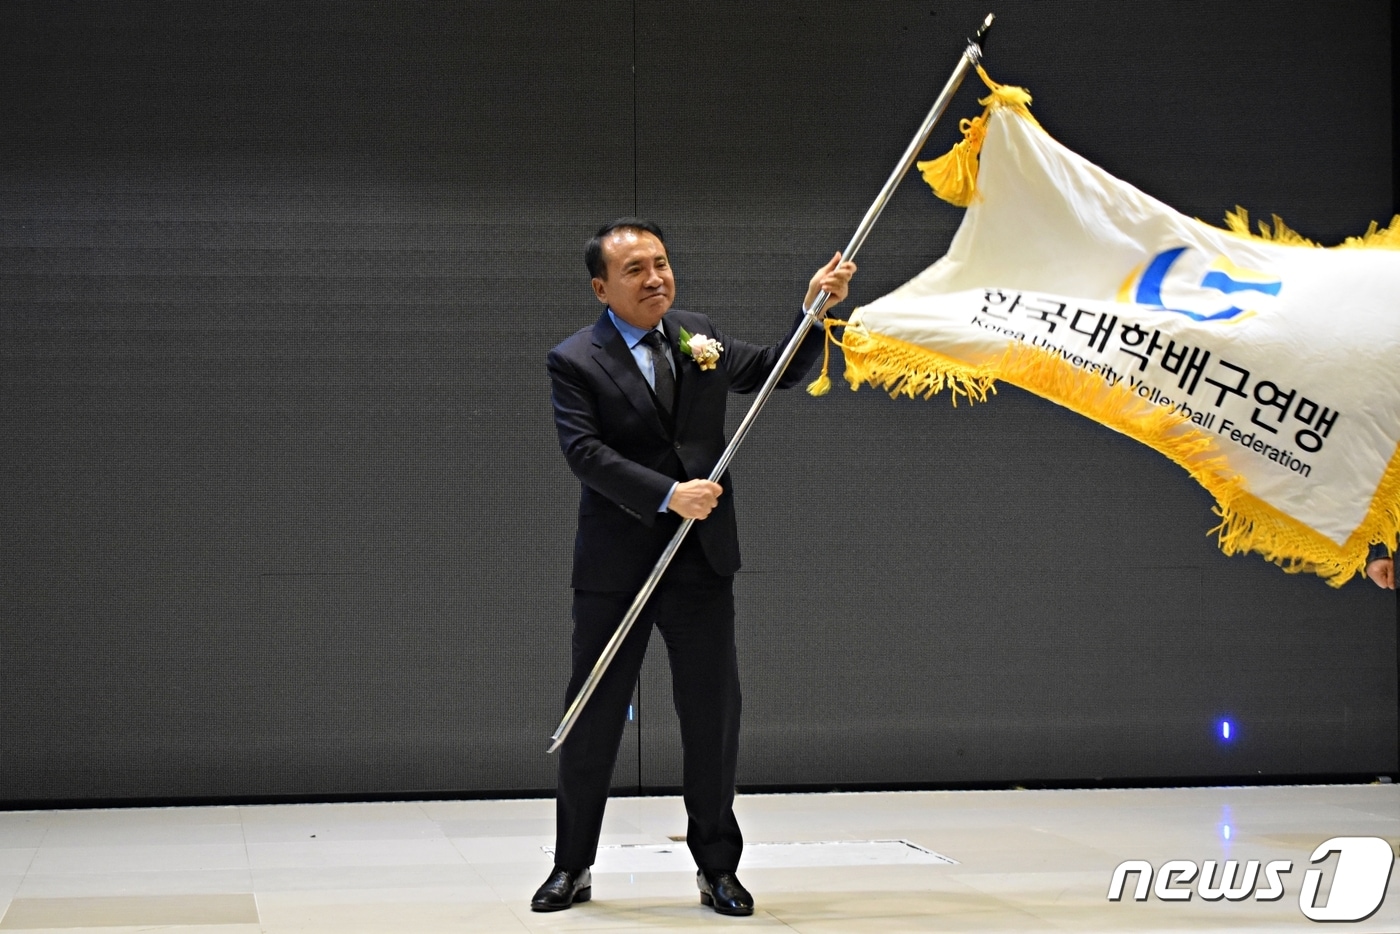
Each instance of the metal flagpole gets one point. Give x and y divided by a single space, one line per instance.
971 57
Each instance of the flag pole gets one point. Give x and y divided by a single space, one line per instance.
971 57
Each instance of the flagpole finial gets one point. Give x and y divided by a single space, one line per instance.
979 39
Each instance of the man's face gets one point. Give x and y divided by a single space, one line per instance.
639 287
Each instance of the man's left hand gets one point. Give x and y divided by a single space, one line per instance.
1382 572
835 278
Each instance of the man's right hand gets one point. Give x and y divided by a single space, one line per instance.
1382 571
694 499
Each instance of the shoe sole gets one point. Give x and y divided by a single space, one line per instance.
582 895
708 901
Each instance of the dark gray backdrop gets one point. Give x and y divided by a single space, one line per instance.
281 505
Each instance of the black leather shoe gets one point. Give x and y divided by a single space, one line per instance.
562 889
723 892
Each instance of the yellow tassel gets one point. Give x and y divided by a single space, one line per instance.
822 384
953 175
1247 522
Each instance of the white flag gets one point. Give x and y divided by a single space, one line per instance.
1268 367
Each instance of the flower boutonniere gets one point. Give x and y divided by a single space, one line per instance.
703 350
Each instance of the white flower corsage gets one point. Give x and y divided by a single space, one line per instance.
703 350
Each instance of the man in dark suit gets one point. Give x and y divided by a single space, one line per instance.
639 406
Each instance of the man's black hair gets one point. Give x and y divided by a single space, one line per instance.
593 252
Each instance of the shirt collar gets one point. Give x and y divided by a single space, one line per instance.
630 332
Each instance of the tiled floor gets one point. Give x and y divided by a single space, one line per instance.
1025 861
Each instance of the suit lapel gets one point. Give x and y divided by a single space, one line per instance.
612 354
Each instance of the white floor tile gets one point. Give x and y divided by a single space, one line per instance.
340 830
389 852
106 833
17 861
337 913
141 858
1027 861
143 817
146 929
22 829
332 878
328 813
163 882
503 849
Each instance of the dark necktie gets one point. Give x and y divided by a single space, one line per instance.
665 382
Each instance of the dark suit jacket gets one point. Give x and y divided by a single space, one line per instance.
627 453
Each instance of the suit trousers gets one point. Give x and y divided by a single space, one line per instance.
694 610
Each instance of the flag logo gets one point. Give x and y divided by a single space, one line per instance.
1144 285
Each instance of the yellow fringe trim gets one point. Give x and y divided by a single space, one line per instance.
1375 237
904 369
1247 523
953 175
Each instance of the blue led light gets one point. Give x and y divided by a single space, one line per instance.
1225 729
1227 823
